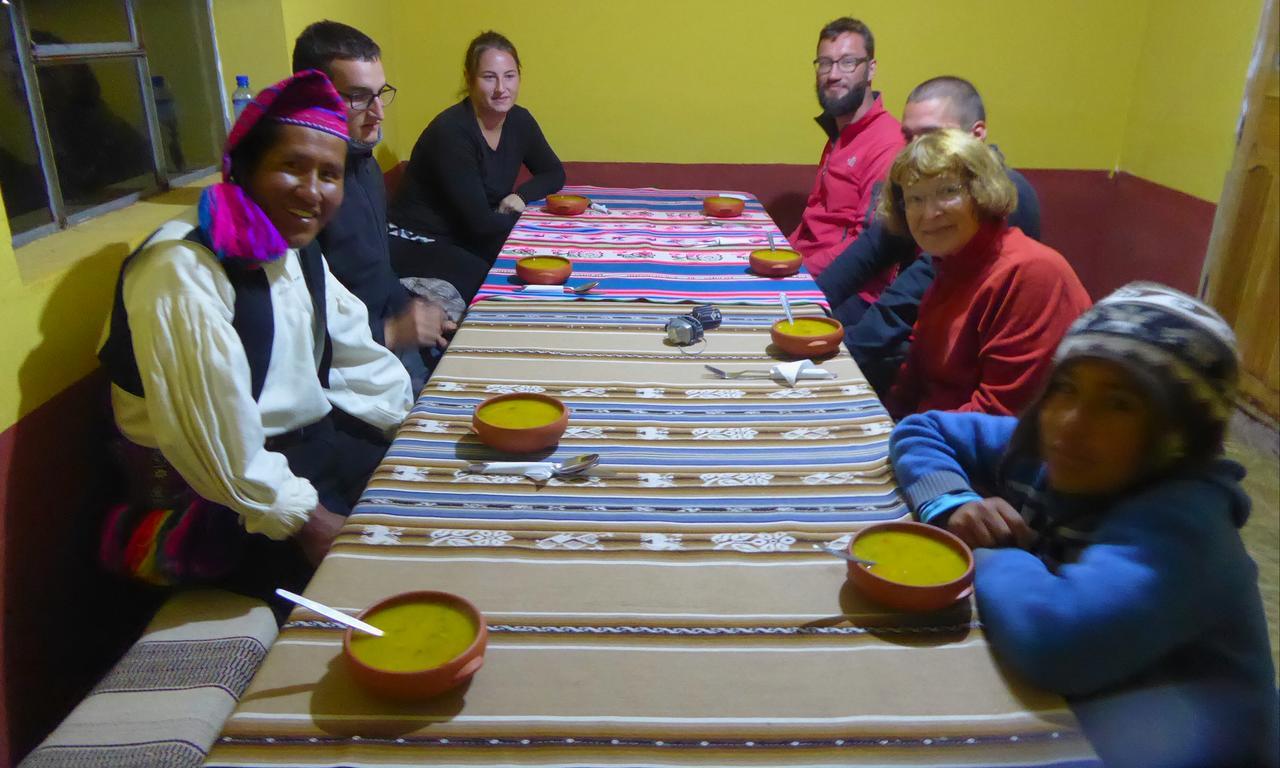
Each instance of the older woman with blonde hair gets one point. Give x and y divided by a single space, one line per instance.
1001 301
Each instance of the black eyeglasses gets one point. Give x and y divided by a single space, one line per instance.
362 100
846 64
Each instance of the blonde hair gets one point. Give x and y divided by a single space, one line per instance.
950 151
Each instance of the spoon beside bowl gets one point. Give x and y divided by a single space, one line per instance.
574 465
330 613
844 555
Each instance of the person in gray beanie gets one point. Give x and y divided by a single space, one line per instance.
1109 565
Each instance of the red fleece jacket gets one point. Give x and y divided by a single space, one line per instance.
852 163
988 326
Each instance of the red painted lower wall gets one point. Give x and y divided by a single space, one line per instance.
64 623
1113 229
1116 229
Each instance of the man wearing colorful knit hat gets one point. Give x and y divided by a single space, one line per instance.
245 381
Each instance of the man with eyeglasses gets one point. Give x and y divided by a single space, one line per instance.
355 241
878 320
863 140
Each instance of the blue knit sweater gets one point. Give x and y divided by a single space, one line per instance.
1142 609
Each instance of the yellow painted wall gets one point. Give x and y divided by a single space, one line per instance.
249 34
52 319
675 81
1187 96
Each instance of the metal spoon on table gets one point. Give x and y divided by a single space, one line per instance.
576 465
583 288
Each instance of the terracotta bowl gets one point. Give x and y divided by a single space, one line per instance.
908 597
809 346
775 263
425 683
723 207
520 439
544 270
566 205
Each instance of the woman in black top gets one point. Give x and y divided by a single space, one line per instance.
456 206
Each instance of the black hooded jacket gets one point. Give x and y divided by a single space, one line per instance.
355 242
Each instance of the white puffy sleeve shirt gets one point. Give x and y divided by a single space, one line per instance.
199 410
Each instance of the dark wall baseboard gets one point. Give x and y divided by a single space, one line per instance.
64 621
1112 228
781 188
1118 228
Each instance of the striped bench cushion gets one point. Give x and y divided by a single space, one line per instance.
165 701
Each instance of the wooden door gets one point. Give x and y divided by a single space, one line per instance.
1242 273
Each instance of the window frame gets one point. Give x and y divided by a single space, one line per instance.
30 55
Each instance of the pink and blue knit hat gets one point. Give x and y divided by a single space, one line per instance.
306 98
237 227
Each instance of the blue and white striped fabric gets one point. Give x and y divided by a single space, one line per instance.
677 445
673 606
652 245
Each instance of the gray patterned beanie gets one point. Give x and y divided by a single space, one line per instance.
1174 344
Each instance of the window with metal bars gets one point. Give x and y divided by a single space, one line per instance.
105 101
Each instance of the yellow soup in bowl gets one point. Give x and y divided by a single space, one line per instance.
775 255
544 262
418 636
803 326
519 413
907 558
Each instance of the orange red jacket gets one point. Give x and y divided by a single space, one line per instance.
853 161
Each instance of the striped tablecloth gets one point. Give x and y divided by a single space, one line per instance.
653 244
670 609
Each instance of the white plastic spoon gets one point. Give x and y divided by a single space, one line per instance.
843 555
786 308
330 613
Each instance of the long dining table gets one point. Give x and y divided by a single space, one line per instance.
672 607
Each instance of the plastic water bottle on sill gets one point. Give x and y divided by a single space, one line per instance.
242 95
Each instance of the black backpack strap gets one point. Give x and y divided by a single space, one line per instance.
312 261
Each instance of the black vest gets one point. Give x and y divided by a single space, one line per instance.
252 319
